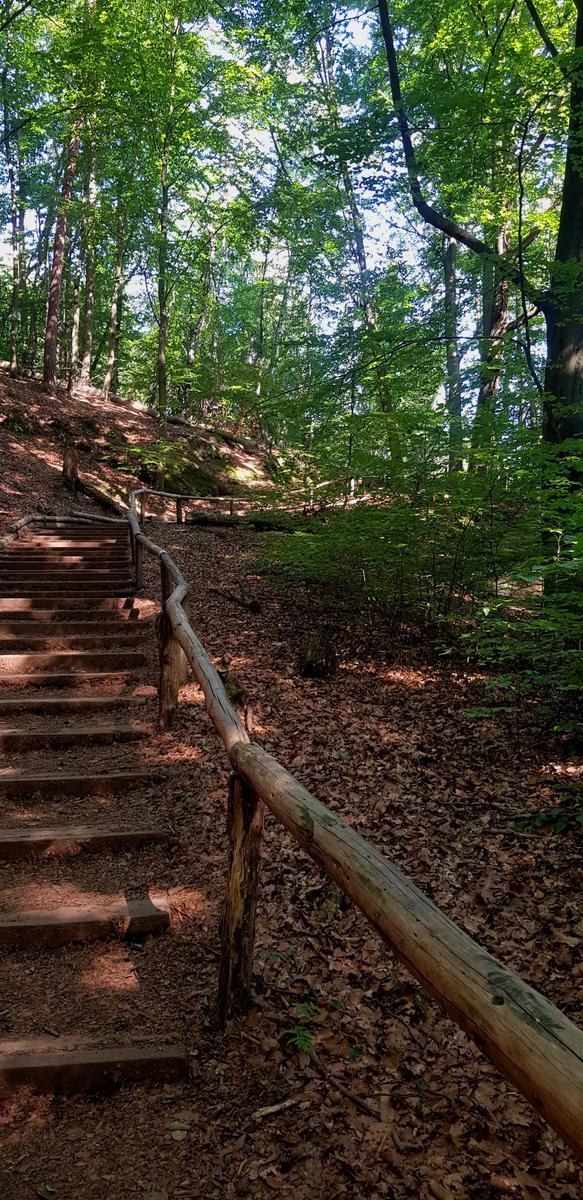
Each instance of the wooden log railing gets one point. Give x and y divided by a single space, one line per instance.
534 1045
334 489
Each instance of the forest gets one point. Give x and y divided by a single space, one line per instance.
294 293
354 234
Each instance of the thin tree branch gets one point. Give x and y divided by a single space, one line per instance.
13 16
496 43
545 35
430 214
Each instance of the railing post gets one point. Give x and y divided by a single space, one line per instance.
173 661
139 563
231 507
179 512
244 831
142 507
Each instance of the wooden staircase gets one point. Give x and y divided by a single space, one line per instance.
71 652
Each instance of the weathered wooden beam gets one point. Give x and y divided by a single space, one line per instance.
244 831
179 511
139 563
534 1044
173 661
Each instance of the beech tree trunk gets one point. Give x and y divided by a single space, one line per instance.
563 403
452 357
14 238
56 275
90 201
113 314
75 326
494 324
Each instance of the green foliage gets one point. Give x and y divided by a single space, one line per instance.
560 819
301 1039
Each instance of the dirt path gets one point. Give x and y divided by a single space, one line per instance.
387 744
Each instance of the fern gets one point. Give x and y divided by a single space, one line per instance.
301 1039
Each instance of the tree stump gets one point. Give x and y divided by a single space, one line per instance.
70 468
244 830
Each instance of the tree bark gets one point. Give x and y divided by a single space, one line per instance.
452 356
56 275
90 203
563 403
14 239
494 324
75 326
113 311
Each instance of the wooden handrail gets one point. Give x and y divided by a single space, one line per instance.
530 1040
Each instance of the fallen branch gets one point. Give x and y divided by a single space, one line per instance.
252 605
360 1102
276 1108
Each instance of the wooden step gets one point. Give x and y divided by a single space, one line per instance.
50 679
64 561
78 641
68 703
64 545
77 570
21 608
58 592
54 736
16 783
64 1066
57 926
74 628
74 660
40 582
33 842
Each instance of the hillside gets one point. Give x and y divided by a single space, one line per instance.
118 450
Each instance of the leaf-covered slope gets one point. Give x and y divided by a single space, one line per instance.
118 449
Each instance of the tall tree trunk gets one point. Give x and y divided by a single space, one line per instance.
75 326
56 275
196 327
112 328
563 403
14 238
114 390
90 203
452 356
494 323
163 294
260 348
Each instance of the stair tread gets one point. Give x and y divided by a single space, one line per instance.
24 842
57 926
122 731
73 701
67 1065
62 777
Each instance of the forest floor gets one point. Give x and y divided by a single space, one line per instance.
387 743
113 439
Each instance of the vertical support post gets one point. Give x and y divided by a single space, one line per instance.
244 830
139 564
179 512
173 661
142 507
231 507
